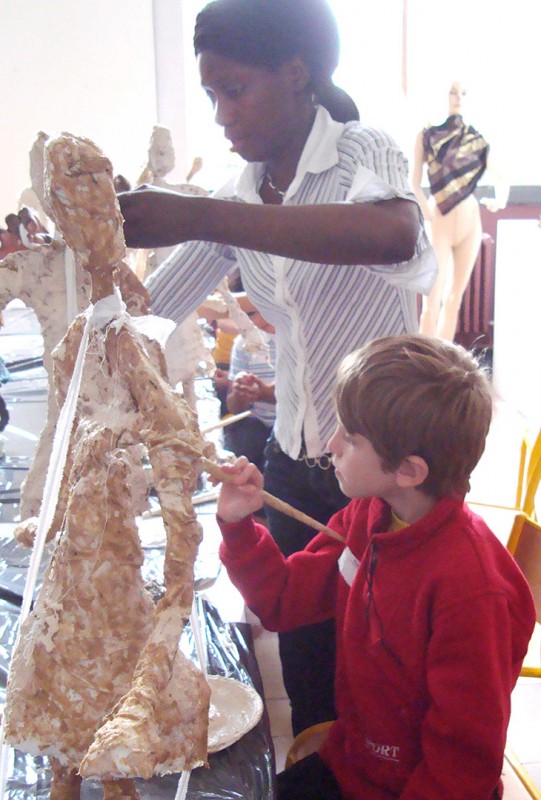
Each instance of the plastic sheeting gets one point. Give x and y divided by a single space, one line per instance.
243 771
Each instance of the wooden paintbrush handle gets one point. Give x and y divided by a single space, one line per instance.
220 474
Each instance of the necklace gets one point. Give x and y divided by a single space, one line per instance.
272 186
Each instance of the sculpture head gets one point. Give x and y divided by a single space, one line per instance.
80 191
37 170
161 155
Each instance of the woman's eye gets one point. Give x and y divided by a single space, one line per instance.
234 91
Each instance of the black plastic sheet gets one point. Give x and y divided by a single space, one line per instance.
243 771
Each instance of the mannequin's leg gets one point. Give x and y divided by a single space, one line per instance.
464 255
441 242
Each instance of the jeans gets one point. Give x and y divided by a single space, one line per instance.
308 779
307 653
248 437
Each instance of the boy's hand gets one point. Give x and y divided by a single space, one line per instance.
241 495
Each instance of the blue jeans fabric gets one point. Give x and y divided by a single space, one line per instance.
248 437
307 653
308 779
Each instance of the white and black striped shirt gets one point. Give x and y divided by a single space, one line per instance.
320 312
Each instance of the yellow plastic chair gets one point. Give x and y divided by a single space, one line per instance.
528 478
532 485
501 517
529 474
306 742
525 547
517 784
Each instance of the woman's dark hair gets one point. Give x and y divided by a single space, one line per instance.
268 33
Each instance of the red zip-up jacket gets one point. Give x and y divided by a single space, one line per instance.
433 622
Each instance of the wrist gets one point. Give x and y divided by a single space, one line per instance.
224 521
237 533
267 393
205 219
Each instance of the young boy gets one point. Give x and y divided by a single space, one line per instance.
433 617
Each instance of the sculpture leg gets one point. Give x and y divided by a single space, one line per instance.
66 783
123 789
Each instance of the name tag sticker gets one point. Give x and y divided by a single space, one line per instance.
348 566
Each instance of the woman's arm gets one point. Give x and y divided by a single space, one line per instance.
383 232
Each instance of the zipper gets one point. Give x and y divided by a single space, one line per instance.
372 566
372 561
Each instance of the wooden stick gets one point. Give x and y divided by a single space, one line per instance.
219 474
223 423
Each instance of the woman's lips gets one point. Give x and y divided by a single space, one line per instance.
236 143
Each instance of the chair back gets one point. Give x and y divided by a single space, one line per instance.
306 742
525 547
529 475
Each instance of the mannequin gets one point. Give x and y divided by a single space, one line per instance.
456 156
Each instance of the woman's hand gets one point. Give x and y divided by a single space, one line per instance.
241 495
247 389
243 392
155 217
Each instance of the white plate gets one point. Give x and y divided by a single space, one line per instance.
235 709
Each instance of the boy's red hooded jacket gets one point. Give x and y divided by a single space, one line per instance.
433 622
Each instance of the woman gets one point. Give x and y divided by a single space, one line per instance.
456 156
328 239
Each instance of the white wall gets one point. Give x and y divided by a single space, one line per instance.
89 66
494 49
82 66
517 322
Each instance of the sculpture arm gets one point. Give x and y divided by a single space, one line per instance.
170 431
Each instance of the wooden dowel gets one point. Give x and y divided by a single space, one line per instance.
219 474
223 423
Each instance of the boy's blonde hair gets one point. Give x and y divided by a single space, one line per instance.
417 395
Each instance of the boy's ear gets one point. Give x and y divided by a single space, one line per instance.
412 472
